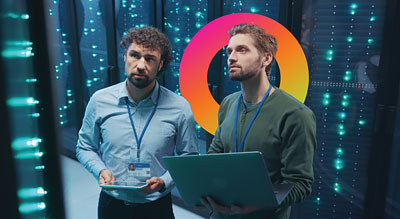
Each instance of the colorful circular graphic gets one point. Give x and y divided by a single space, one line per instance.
213 37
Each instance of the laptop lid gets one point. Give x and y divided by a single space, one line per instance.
230 178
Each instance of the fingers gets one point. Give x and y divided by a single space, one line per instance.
106 177
154 184
218 207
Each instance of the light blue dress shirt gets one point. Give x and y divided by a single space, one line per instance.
106 139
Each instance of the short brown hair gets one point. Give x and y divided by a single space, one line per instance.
263 42
149 37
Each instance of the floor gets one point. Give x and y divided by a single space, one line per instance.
81 193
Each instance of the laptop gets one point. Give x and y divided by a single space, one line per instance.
230 178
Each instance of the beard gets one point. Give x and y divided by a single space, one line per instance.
140 83
239 76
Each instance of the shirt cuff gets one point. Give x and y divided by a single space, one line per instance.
96 170
169 183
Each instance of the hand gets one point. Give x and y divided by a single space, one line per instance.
106 177
212 206
153 185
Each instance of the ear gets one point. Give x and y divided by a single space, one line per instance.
267 59
161 65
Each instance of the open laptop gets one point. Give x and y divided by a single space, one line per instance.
230 178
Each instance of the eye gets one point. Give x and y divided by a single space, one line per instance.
242 50
135 55
228 51
149 59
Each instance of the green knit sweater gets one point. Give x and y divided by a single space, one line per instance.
284 131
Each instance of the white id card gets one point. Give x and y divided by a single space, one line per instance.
139 170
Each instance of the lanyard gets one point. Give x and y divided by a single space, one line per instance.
251 122
139 140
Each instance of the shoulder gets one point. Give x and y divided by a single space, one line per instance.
170 98
108 92
289 104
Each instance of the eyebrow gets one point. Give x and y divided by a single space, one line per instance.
145 55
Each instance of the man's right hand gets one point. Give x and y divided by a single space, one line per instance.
107 178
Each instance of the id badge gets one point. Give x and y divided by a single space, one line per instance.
139 170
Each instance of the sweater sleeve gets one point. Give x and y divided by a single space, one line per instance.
297 152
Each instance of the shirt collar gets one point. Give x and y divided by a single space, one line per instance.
123 93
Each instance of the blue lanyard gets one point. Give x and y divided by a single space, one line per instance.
251 122
139 140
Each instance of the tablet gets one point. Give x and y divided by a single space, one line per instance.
124 185
231 179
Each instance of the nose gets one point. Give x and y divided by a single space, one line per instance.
140 64
232 58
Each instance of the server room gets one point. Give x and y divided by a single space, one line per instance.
243 108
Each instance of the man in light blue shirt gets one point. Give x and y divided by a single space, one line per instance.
136 121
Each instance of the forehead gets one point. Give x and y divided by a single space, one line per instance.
143 50
241 40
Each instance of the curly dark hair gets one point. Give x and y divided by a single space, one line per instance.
263 42
149 37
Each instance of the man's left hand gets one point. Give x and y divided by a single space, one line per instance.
153 185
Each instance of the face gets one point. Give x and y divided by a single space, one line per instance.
244 60
142 65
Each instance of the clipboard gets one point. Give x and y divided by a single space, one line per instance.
230 178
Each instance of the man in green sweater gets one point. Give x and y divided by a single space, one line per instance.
263 118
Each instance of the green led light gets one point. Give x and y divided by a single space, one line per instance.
24 16
361 122
342 115
31 80
187 39
353 6
176 74
177 39
22 43
345 97
94 46
345 103
349 39
177 29
326 95
318 200
348 72
329 54
27 193
254 10
352 12
373 18
186 8
336 187
339 151
40 167
17 53
28 155
11 15
22 101
325 102
341 132
25 143
34 115
198 25
346 78
198 14
339 164
370 41
198 127
27 208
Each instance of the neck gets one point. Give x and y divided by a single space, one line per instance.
138 94
254 89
